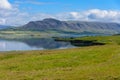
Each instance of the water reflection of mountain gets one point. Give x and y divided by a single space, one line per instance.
45 43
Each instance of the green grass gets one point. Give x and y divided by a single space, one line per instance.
86 63
101 39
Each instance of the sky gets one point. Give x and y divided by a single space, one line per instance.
20 12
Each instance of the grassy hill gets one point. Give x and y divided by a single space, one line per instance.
85 63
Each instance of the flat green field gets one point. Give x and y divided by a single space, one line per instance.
85 63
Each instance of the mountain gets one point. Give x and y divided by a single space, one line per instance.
71 26
4 27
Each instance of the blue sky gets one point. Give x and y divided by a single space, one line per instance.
57 6
20 12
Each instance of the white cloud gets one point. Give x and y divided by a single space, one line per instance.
103 15
15 17
92 15
10 15
4 4
2 21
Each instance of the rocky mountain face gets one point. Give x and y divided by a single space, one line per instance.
72 26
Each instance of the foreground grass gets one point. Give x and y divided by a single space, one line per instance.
86 63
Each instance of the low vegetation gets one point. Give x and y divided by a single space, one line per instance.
85 63
115 39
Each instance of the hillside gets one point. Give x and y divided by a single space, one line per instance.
71 26
56 28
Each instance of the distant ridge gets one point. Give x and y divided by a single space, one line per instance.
71 26
4 27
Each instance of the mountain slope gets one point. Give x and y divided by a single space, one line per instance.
72 26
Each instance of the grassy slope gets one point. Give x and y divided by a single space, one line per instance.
87 63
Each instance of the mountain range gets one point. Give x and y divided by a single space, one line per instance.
51 24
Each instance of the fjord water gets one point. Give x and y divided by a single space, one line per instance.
32 44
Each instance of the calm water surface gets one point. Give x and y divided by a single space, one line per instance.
32 44
38 44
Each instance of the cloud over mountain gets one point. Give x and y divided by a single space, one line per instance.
12 15
93 15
